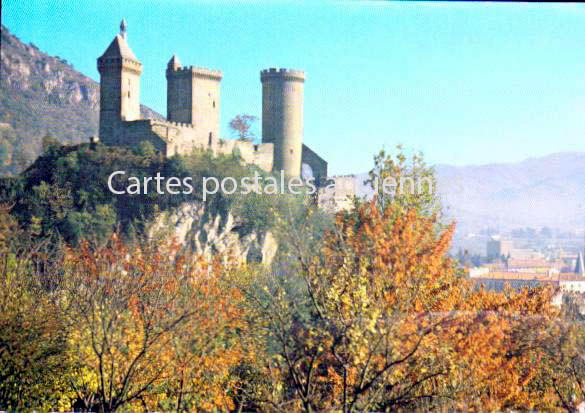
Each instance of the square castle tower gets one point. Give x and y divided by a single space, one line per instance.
193 113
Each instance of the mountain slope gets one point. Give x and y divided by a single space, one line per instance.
537 192
545 191
41 95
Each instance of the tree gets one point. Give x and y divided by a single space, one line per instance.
146 148
150 328
241 126
48 142
370 340
385 322
376 316
409 183
563 359
33 358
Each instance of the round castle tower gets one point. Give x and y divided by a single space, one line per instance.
282 117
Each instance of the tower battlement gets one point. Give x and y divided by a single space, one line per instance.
196 71
282 73
177 124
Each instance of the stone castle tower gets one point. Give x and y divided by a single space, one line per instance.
193 113
193 96
119 85
282 117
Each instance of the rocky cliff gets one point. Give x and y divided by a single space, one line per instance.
200 235
42 95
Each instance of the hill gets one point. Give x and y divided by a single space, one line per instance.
42 95
544 191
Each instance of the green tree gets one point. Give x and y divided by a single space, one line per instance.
410 183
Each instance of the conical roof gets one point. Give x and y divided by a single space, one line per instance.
174 62
119 48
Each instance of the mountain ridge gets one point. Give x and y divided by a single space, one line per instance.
535 192
539 191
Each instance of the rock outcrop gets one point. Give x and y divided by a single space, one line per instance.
205 235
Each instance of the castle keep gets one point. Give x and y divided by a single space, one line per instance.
193 113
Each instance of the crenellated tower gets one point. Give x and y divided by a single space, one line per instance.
193 96
193 113
282 117
119 86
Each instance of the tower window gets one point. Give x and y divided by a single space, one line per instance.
210 138
291 151
128 94
214 103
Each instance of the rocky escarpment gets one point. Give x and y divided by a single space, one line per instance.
42 95
201 234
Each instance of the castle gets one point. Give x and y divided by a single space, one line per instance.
193 113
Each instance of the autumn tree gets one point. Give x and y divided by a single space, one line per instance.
562 370
377 316
500 347
366 334
33 359
150 328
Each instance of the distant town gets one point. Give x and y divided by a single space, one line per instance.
527 257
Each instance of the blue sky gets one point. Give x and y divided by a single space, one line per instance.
463 83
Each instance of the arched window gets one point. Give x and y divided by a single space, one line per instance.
210 138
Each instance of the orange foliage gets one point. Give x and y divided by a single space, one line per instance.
153 327
395 325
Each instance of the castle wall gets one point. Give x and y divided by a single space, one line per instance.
173 138
169 138
181 138
317 164
264 156
260 155
131 134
